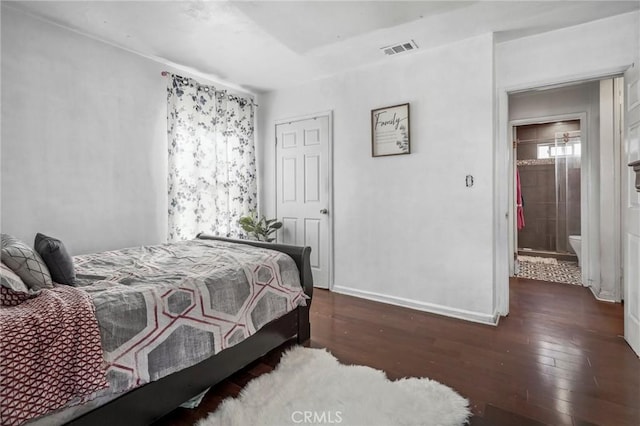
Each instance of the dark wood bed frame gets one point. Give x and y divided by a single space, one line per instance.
146 404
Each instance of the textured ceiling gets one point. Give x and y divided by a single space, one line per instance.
265 45
303 26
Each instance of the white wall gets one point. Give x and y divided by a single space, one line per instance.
84 152
83 139
588 50
592 50
407 230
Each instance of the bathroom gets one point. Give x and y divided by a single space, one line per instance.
548 164
567 148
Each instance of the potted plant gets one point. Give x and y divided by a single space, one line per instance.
259 228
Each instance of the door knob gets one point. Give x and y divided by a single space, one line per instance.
324 211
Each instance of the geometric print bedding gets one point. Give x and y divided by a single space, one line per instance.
50 355
167 307
10 297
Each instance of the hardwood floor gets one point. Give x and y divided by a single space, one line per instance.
558 358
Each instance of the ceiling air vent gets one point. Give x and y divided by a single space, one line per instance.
399 48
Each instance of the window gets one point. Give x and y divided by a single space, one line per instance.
567 144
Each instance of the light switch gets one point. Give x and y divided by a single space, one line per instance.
469 181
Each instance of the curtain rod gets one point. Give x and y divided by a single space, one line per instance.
168 74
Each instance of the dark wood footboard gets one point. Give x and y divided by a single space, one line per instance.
148 403
300 255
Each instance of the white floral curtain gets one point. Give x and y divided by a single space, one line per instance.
212 164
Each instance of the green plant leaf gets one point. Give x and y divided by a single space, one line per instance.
260 228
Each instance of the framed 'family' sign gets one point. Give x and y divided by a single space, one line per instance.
390 130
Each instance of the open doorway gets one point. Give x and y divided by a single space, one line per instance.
569 139
548 201
609 259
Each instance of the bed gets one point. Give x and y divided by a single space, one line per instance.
151 388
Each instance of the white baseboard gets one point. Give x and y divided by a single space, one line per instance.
420 306
603 296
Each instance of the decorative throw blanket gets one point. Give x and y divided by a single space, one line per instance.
166 307
50 354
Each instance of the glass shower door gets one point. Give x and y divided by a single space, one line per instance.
567 153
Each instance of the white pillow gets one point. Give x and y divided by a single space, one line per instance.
10 280
25 262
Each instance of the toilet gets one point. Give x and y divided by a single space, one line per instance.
576 245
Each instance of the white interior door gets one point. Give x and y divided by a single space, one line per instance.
303 190
513 210
631 212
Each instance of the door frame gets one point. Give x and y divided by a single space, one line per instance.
329 115
503 152
631 129
586 206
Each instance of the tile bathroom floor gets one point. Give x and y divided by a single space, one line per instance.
560 271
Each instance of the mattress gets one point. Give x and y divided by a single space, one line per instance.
166 307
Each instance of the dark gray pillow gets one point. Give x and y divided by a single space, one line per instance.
58 260
25 262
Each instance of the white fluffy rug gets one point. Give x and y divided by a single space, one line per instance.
310 386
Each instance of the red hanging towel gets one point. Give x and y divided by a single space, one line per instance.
519 205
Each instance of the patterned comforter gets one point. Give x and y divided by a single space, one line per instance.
50 356
163 308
